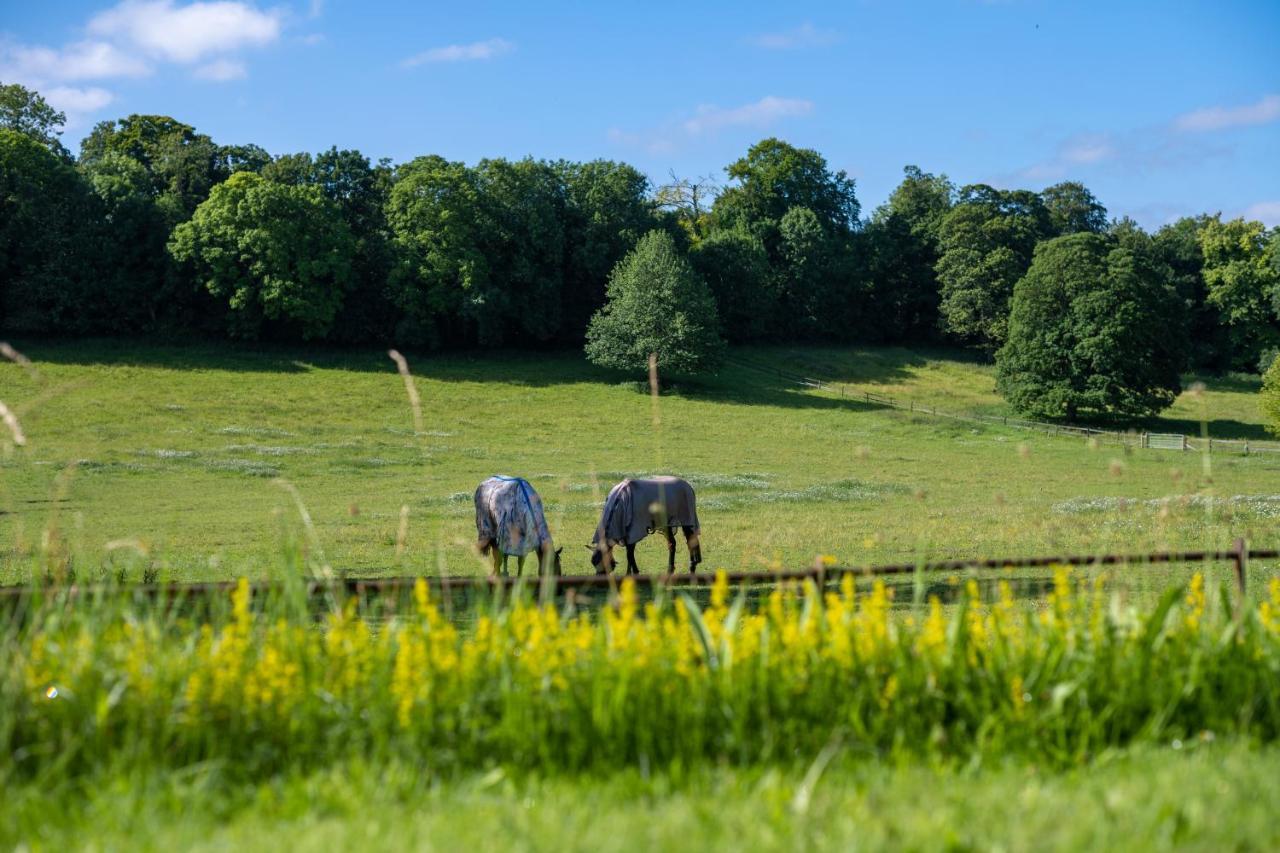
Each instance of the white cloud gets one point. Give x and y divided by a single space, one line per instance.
187 34
221 70
1267 212
805 35
76 102
1264 111
478 50
85 60
708 120
766 111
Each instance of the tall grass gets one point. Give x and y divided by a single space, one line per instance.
265 686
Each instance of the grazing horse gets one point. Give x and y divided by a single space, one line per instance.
510 523
636 508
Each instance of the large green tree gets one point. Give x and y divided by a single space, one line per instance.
607 210
774 177
26 112
48 240
657 305
278 256
1243 284
1093 330
1270 397
985 243
901 245
735 266
1072 209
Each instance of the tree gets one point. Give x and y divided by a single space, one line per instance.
279 257
657 304
48 240
1073 209
901 246
1270 402
1093 330
1242 283
804 274
774 177
735 266
689 200
986 242
607 210
360 191
26 112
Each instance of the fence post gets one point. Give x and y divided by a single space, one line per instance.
1246 447
1240 557
1184 442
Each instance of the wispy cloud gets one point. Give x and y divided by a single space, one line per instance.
221 70
1267 212
709 119
478 50
805 35
1265 111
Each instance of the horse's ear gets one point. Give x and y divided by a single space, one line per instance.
589 547
558 550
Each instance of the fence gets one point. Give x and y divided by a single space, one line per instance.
1154 441
820 573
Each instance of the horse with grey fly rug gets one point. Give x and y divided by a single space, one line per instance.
636 508
510 523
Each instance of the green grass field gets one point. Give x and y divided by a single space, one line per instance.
147 460
175 450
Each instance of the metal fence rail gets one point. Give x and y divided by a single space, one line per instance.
1238 555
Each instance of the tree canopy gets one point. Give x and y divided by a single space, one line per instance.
26 112
657 305
278 256
1093 330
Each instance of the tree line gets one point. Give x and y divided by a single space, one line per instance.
154 228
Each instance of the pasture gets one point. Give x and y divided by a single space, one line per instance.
163 460
836 720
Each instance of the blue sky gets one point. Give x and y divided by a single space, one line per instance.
1162 108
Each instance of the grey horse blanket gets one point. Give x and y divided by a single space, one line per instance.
509 514
636 508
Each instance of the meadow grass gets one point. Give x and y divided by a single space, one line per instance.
162 460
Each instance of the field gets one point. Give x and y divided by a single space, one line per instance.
171 455
1136 710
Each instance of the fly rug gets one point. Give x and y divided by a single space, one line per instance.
510 523
636 508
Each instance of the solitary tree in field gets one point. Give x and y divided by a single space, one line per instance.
1093 329
657 304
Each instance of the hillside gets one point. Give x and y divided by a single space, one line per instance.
174 451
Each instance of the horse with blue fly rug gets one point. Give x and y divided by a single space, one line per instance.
510 523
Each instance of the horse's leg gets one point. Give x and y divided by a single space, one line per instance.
495 557
671 549
695 547
632 568
520 566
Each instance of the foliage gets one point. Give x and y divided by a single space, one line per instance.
279 256
985 245
107 683
48 240
1073 209
734 264
774 177
1092 331
1243 283
902 241
26 112
657 305
1270 402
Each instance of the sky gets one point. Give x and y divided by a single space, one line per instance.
1163 109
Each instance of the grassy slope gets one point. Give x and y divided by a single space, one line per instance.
1214 798
178 447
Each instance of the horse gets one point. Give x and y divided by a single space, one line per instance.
636 508
510 523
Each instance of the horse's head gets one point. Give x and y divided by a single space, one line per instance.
601 558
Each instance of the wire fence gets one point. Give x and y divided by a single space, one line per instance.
1131 438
